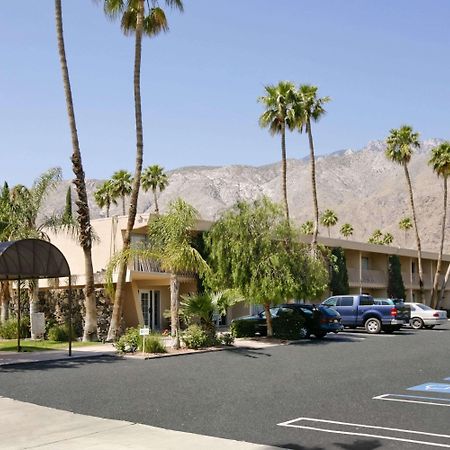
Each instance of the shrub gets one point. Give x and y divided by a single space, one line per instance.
153 344
226 338
287 326
242 328
60 333
195 337
129 341
8 329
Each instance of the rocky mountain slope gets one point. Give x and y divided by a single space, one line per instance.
362 187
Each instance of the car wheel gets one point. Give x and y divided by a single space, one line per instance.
320 334
373 325
303 333
417 323
429 327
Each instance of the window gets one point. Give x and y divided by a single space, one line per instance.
366 300
331 301
413 267
345 301
365 263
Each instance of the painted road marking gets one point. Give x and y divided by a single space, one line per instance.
291 423
435 401
431 387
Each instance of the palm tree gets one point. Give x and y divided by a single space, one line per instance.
154 177
440 162
400 145
104 196
121 186
405 224
387 239
307 227
376 237
311 109
328 219
135 19
346 230
279 115
83 215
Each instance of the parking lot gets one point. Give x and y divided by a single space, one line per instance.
349 391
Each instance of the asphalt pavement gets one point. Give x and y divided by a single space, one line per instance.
349 391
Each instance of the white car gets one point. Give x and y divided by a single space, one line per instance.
423 316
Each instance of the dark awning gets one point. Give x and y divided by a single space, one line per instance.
31 259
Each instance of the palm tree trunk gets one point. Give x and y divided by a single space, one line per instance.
107 209
123 205
419 247
156 203
114 327
174 307
6 298
313 185
268 320
433 302
284 171
83 216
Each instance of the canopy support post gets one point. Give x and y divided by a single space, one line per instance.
18 316
70 315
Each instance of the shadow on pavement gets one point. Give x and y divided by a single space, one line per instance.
248 352
63 363
359 444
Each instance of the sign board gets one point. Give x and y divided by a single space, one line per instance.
432 387
38 324
144 331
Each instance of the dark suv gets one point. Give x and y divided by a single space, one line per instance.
318 320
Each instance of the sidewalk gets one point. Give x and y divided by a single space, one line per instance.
26 426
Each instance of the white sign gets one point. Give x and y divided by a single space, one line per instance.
144 331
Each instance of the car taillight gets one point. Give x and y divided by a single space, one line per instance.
436 314
323 320
394 312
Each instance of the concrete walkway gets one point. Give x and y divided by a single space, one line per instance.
28 426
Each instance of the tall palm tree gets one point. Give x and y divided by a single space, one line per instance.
405 224
346 230
83 215
401 143
137 20
376 237
311 109
121 186
154 178
104 196
329 219
440 162
307 227
279 115
387 239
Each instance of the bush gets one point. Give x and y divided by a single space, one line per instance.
153 344
60 333
242 328
226 338
8 329
129 341
195 337
288 326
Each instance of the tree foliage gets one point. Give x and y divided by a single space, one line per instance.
339 276
396 288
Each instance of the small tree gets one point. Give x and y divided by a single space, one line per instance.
248 252
405 224
307 227
121 186
154 178
376 237
339 276
387 239
396 288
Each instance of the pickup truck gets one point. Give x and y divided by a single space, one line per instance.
365 311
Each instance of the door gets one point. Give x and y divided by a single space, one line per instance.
151 308
347 310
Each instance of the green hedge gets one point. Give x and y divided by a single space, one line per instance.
243 328
60 333
8 329
288 326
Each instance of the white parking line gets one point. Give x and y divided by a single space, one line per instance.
404 398
290 423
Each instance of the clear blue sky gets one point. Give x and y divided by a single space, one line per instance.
384 63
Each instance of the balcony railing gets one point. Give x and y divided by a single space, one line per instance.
151 266
368 277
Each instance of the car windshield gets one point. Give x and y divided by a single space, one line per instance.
424 307
384 301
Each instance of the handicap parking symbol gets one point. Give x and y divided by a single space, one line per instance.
431 387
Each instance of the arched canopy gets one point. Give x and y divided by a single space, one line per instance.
31 259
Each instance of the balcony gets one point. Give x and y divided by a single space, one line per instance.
151 266
368 277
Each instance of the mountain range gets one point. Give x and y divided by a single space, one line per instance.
361 186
